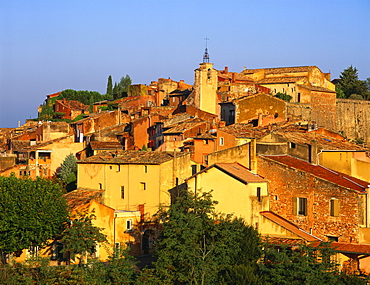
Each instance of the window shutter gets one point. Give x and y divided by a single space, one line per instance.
294 201
334 207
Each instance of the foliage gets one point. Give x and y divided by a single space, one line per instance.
80 236
109 94
350 84
68 172
31 212
283 96
198 246
121 267
85 97
122 88
303 265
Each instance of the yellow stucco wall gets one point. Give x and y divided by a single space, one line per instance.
158 180
60 150
233 196
355 164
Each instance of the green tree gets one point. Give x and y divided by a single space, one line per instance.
121 268
31 213
121 89
80 236
283 96
68 172
350 84
303 265
109 94
198 246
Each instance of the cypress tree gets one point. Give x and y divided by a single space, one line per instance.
110 88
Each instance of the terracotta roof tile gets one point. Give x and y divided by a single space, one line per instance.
236 171
316 88
95 145
274 80
182 127
338 178
245 131
354 248
324 142
132 157
80 197
278 70
289 226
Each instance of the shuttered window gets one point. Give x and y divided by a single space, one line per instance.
299 206
334 207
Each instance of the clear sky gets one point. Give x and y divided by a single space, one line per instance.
48 46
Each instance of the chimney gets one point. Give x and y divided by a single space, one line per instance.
233 77
222 124
260 119
253 155
226 71
313 152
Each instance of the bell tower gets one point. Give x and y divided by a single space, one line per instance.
205 85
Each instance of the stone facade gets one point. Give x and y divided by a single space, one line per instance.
287 183
354 119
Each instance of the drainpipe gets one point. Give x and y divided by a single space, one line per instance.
114 230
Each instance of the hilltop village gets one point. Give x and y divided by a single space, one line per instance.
297 171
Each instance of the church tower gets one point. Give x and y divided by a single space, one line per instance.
205 86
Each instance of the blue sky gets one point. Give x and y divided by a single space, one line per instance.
48 46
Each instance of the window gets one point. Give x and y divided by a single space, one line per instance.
292 145
334 207
259 194
122 192
146 168
118 168
299 206
129 225
100 186
193 169
142 186
221 141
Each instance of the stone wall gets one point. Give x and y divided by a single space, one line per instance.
285 183
323 110
299 111
353 119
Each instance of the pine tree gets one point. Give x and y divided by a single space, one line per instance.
349 84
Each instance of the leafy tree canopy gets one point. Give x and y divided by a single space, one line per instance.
283 96
197 246
81 236
31 212
85 97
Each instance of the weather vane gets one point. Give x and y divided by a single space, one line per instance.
206 55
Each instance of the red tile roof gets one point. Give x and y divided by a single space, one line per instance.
132 157
338 178
289 226
81 197
278 70
105 145
274 80
324 142
236 171
316 88
353 248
